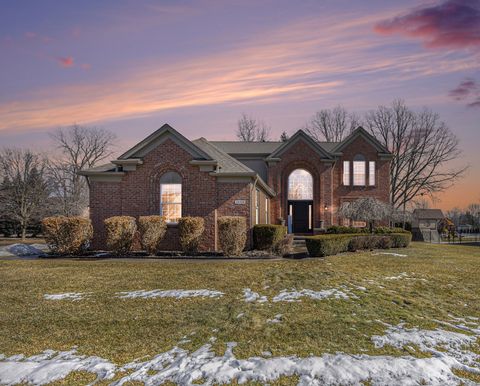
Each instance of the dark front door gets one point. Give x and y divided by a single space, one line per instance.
301 212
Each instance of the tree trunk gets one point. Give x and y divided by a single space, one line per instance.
24 231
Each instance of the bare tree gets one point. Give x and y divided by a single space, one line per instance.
366 209
251 129
422 148
80 148
332 125
24 190
284 137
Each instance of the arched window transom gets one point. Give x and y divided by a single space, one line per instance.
300 185
171 197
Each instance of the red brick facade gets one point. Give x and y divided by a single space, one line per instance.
138 194
208 194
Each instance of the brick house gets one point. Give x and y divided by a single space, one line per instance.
301 182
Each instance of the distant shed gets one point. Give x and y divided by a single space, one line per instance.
425 224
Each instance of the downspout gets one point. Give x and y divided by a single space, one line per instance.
254 202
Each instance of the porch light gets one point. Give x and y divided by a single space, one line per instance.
326 207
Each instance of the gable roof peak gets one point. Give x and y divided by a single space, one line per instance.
361 132
165 131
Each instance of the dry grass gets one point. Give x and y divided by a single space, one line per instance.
14 240
443 280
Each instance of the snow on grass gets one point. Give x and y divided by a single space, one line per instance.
178 294
448 351
389 253
403 275
51 366
66 296
251 297
23 250
293 296
276 319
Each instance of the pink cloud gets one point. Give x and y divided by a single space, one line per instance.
65 61
30 35
453 23
469 90
86 66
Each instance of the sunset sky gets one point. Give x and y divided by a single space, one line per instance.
130 66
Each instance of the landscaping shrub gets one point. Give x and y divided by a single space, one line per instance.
232 233
284 246
384 242
401 240
190 230
339 229
152 230
325 245
120 232
67 235
388 230
267 236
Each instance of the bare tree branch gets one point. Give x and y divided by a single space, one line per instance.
81 148
332 125
250 129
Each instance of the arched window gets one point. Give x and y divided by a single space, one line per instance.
359 170
171 197
300 185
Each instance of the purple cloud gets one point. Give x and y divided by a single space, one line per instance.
453 23
468 89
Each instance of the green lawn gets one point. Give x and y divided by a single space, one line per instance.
440 282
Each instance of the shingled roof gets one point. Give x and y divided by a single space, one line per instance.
431 214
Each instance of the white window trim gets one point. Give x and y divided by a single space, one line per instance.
346 173
363 175
372 176
170 203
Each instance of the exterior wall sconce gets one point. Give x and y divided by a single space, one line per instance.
326 207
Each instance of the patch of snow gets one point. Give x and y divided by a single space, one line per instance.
251 297
183 367
389 253
292 296
51 366
276 319
178 294
403 275
23 250
240 315
66 296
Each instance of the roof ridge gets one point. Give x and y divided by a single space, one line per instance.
226 155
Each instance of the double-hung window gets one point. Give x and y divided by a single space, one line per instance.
359 170
371 173
171 197
346 173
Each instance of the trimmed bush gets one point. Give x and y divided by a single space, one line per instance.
388 230
152 230
190 230
283 247
120 232
325 245
232 233
401 240
67 235
267 236
339 229
384 242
